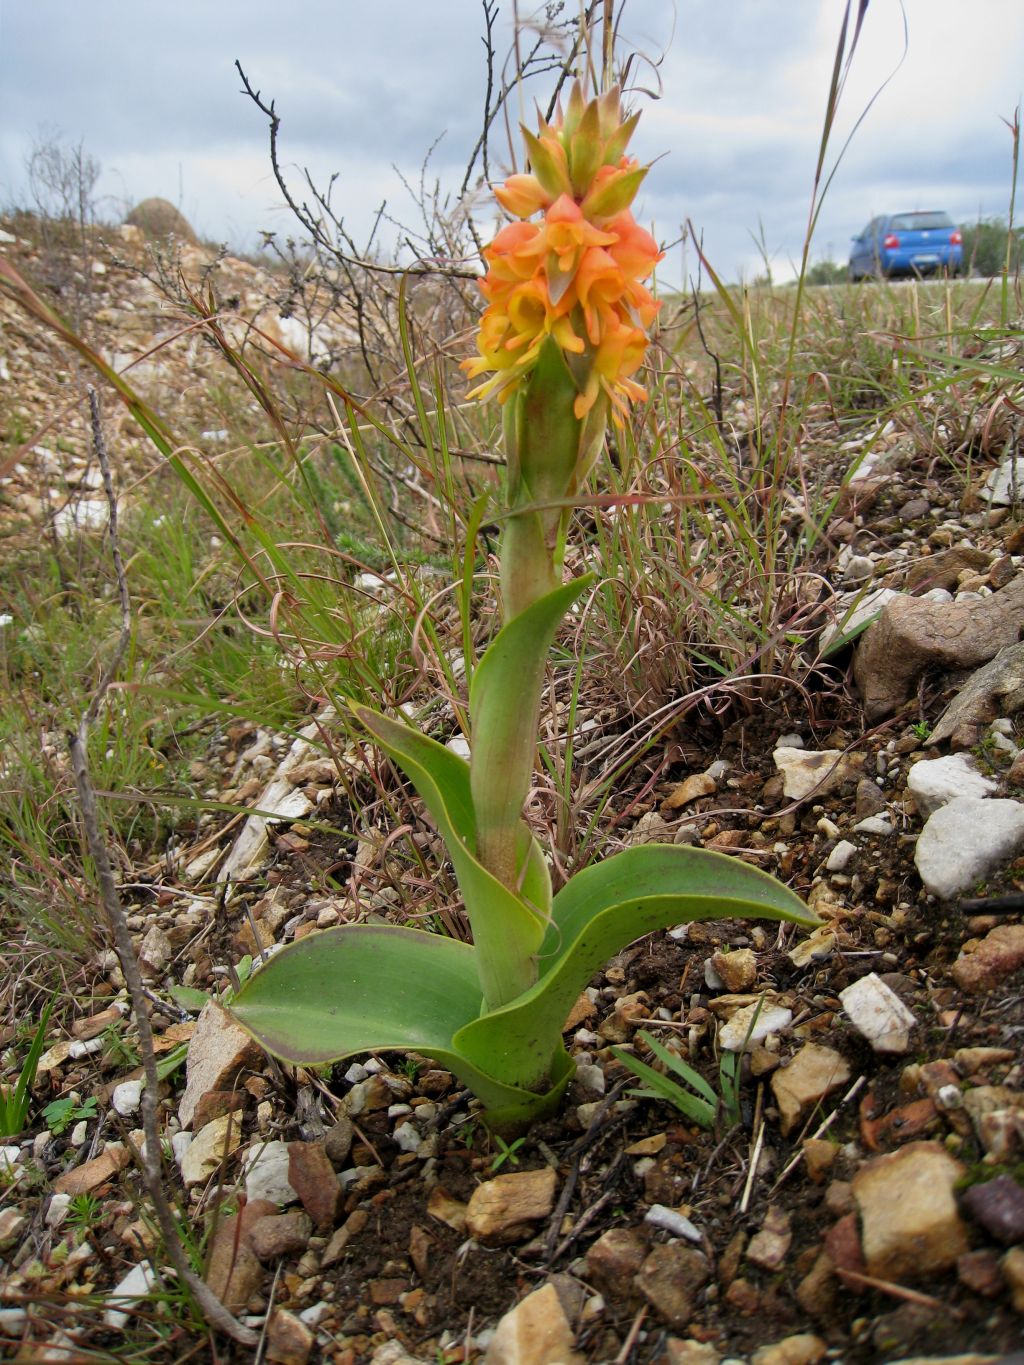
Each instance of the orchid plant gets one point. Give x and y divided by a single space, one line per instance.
561 340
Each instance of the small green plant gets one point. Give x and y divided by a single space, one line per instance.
15 1100
921 730
60 1114
506 1152
698 1101
84 1212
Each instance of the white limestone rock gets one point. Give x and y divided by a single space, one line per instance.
967 840
936 781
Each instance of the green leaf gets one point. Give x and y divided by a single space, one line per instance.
506 931
360 988
682 1069
504 701
188 998
701 1110
14 1104
602 909
376 988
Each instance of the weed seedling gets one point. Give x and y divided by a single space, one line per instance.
14 1101
59 1115
507 1152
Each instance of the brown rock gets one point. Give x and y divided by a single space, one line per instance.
816 1292
312 1177
217 1053
819 1156
690 1352
92 1174
209 1148
768 1248
909 1219
614 1259
158 218
386 1292
993 962
743 1296
842 1246
942 570
233 1270
738 970
670 1279
215 1105
813 1073
504 1209
352 1226
289 1340
94 1025
979 1271
913 634
280 1234
802 1349
338 1142
690 789
445 1209
1012 1266
535 1332
421 1248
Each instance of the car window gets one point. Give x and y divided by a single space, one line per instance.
920 222
867 232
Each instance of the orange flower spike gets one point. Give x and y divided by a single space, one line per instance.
514 253
567 232
522 195
599 286
634 248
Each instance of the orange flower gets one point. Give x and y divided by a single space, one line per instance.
576 275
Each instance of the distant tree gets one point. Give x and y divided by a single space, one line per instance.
826 272
62 179
985 246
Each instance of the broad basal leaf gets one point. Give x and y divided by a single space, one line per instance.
507 928
379 988
602 909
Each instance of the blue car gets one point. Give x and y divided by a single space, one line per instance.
907 244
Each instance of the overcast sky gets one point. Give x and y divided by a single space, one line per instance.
364 89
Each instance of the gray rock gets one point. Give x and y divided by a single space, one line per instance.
913 634
997 689
934 782
998 1205
265 1171
840 856
1005 485
967 840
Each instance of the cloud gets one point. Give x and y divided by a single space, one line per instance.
153 93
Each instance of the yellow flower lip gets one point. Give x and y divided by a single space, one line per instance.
577 273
